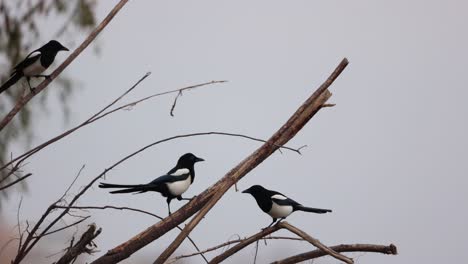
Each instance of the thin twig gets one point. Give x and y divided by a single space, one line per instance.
15 181
65 227
175 102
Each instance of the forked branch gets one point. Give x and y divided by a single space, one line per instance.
207 199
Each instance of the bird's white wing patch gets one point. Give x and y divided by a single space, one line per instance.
279 197
180 172
34 69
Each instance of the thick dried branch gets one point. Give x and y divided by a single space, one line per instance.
245 243
235 241
25 99
390 250
310 107
316 243
81 246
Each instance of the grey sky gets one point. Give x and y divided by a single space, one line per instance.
389 159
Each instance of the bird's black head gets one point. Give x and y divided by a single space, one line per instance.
187 160
53 46
255 190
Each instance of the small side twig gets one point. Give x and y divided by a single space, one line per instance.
22 178
84 245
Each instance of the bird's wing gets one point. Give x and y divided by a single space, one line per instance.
169 178
281 199
28 61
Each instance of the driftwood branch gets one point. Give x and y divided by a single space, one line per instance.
390 250
25 99
281 137
230 242
84 245
266 231
226 254
316 243
206 200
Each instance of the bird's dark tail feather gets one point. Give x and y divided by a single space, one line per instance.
312 210
13 79
126 188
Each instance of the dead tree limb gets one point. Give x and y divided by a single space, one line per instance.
230 242
226 254
210 196
316 243
25 99
266 231
390 250
84 245
282 136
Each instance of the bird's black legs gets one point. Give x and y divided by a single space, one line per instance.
274 220
168 200
43 76
186 199
33 90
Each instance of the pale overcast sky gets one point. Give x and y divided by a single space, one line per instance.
389 158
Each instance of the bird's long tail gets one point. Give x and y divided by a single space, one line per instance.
13 79
312 210
125 188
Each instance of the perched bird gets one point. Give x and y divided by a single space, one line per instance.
277 205
34 64
172 185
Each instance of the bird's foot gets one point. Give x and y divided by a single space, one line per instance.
33 90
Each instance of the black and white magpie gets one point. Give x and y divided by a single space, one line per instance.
34 64
277 205
172 185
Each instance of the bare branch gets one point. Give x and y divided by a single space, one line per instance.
311 106
15 181
235 241
65 227
244 243
81 246
25 99
390 250
316 243
211 195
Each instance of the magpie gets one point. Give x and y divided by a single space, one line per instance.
34 64
277 205
171 185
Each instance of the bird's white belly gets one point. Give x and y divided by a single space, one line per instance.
280 211
34 69
179 187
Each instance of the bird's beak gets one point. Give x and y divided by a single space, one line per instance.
197 159
64 48
246 191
